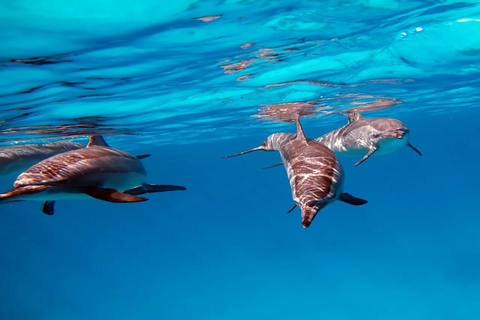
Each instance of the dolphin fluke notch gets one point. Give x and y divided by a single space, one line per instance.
348 198
415 149
244 152
153 188
112 195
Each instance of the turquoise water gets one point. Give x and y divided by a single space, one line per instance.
155 78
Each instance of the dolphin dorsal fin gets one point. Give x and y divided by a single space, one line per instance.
300 133
97 141
353 115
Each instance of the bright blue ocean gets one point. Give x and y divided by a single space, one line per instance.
153 78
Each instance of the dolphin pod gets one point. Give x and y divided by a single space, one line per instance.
96 171
315 174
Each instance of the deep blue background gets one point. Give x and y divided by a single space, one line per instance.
156 80
226 249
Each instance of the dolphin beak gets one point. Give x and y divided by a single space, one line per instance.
415 149
309 213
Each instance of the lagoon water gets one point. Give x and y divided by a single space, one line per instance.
191 81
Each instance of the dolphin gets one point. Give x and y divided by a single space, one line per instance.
368 136
315 174
15 159
97 171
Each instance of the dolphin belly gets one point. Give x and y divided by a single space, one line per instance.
390 145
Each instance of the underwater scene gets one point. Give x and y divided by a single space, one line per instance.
239 159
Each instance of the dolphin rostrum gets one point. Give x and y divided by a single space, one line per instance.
97 171
15 159
315 174
367 136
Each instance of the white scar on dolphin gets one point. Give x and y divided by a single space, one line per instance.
366 136
97 171
15 159
315 174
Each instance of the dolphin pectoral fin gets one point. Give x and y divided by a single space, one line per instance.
48 207
143 156
348 198
273 166
244 152
369 153
152 188
291 209
415 149
111 195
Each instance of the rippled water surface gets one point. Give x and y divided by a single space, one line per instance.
190 81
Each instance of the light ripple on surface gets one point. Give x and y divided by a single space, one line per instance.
172 77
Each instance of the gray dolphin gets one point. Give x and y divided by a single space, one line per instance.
15 159
97 171
368 136
315 174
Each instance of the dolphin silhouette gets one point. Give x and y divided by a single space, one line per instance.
315 174
97 171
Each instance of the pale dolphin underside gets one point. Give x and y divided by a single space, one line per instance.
315 175
97 171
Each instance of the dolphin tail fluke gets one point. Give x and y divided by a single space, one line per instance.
348 198
152 188
112 195
244 152
365 157
48 207
415 149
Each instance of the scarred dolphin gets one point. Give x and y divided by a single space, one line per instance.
15 159
315 174
368 136
97 171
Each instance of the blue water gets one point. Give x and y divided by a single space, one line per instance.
154 79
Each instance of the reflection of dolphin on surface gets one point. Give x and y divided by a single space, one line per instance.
15 159
97 171
316 176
